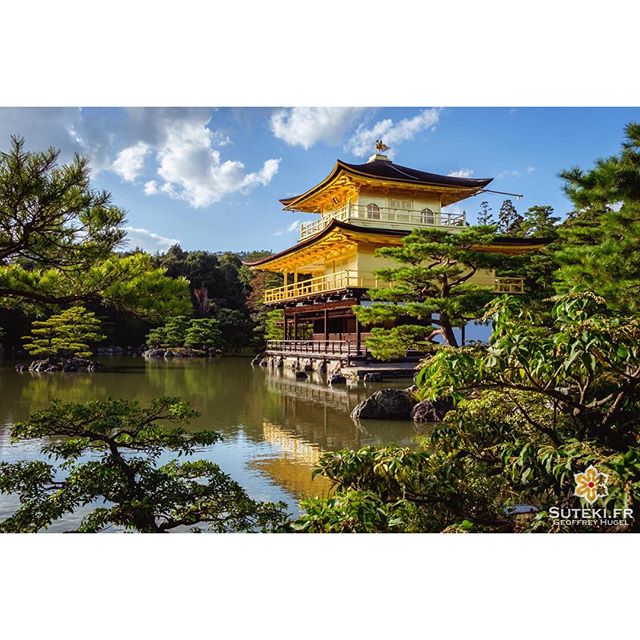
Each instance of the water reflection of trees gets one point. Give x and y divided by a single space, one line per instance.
231 396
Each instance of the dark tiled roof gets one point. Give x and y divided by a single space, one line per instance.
390 171
387 170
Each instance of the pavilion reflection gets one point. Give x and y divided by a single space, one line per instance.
292 464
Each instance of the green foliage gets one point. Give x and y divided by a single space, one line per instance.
509 220
171 334
64 335
200 333
429 288
388 344
108 455
236 327
539 222
273 324
394 489
544 401
58 237
203 333
176 331
221 288
601 239
49 214
537 267
485 217
129 284
156 337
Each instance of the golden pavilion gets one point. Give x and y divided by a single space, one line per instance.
360 208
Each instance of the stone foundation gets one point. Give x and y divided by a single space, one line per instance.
294 363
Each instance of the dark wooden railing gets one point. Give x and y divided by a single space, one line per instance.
321 347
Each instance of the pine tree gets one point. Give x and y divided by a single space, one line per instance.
58 239
113 460
274 325
203 333
170 335
510 221
430 289
540 222
156 337
601 238
485 217
67 334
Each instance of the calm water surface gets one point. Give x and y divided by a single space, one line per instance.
274 427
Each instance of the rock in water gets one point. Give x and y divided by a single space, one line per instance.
432 410
372 377
337 378
386 404
301 375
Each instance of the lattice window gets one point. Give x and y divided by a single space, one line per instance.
373 211
427 216
405 205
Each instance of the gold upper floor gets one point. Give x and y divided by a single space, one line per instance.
372 210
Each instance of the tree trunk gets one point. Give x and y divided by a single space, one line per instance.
447 330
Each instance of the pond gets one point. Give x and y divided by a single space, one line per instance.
274 426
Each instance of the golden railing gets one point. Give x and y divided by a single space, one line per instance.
364 213
348 279
509 285
351 279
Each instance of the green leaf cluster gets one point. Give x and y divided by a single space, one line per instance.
203 333
181 331
58 239
67 334
548 397
108 461
430 289
601 238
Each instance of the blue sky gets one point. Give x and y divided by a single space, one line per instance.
211 178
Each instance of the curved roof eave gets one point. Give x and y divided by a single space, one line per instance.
500 240
385 170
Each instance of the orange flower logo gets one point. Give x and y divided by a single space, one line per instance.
591 484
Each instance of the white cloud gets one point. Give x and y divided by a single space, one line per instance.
179 143
147 240
515 173
129 163
362 142
306 126
61 127
150 188
461 173
192 170
294 226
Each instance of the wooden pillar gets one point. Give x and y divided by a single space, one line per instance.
462 334
295 326
357 336
326 324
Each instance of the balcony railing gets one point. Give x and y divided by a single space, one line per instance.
404 217
351 279
323 347
348 279
509 285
